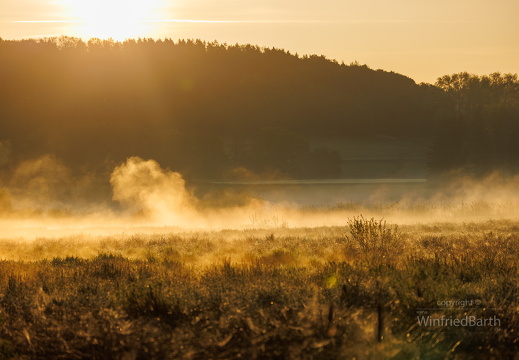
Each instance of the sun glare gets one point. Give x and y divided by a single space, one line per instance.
116 19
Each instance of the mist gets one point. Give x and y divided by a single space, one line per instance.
44 198
159 195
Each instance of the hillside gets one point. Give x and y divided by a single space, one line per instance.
213 111
89 102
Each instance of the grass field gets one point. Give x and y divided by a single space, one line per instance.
365 290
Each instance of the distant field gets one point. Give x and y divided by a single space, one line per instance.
374 169
324 192
365 290
380 157
322 182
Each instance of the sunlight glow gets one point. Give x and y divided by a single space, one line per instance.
116 19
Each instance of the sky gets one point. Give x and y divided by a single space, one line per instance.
423 39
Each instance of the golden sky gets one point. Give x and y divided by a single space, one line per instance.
423 39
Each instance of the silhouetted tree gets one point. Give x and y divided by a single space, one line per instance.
479 135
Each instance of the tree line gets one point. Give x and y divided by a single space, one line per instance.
478 129
207 109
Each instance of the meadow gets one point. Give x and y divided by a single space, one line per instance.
369 289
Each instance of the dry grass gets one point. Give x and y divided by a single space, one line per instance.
350 292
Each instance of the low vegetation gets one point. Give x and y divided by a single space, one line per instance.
352 292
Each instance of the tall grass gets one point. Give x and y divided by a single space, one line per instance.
346 292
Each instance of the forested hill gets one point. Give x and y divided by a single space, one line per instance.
62 95
102 100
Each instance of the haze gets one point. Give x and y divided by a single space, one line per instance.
257 180
423 40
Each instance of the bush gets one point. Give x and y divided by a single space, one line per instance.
374 237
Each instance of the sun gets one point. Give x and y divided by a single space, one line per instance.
116 19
